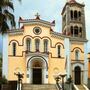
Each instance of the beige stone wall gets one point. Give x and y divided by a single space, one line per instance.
56 65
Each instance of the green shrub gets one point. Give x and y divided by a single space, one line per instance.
3 80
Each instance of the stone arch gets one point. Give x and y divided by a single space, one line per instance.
37 65
37 57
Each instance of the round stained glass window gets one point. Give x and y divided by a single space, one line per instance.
37 30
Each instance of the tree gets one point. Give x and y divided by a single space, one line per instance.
5 7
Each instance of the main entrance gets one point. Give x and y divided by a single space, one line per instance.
37 76
37 67
37 70
77 75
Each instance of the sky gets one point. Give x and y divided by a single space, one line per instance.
48 10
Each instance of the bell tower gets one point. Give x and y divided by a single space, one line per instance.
73 19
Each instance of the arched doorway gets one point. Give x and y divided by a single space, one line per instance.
77 75
37 72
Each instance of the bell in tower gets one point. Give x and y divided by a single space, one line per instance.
73 19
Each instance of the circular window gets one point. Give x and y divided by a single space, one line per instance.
37 30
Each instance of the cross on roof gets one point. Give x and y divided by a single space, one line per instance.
37 16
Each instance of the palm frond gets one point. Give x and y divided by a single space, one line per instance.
4 27
6 3
11 17
9 4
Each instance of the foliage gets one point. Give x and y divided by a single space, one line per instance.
3 80
5 15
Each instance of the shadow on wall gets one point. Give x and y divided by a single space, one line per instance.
89 83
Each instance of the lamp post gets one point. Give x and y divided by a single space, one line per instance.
19 76
62 76
57 79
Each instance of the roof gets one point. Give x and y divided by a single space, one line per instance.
37 20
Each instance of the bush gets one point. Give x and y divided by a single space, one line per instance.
3 80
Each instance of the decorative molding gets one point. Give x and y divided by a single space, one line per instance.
77 48
38 57
45 37
36 53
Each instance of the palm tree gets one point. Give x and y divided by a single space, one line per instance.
6 6
5 15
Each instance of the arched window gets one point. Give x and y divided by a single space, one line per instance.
79 14
71 15
59 51
72 30
37 43
77 55
80 32
76 31
45 45
75 14
28 44
14 49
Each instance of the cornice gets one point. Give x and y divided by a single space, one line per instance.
77 39
36 21
15 32
56 35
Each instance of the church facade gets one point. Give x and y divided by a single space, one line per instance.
41 53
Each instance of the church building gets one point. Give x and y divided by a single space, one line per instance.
40 53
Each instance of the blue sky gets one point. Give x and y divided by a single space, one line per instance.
49 10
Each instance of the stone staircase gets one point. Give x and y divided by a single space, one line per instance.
80 87
39 87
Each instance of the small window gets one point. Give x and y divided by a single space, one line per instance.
77 54
45 45
14 49
80 32
72 30
75 15
59 51
71 15
37 30
79 15
28 44
76 31
37 43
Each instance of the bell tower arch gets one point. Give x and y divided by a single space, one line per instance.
73 19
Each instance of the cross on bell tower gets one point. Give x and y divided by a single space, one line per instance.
37 16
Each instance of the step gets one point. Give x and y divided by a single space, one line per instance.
80 87
39 87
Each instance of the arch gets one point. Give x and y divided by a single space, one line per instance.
39 57
14 41
77 48
77 75
28 44
37 64
59 43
